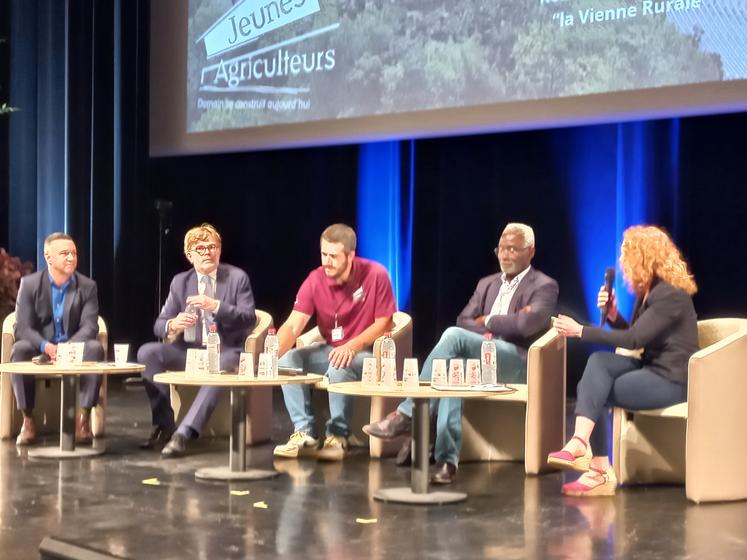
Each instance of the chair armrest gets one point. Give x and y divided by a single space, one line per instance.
717 419
309 337
255 340
544 429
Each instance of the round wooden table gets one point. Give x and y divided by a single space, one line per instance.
69 392
418 492
236 469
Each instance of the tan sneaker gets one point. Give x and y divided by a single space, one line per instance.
300 444
334 449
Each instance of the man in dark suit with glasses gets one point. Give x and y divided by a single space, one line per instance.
210 293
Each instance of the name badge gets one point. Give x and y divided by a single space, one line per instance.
337 334
359 294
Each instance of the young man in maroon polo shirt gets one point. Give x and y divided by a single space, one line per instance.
353 302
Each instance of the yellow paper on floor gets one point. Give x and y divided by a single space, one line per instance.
239 492
260 505
152 482
366 520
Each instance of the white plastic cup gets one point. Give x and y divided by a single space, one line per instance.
456 371
246 365
389 373
410 373
474 372
438 372
370 374
264 366
196 361
121 354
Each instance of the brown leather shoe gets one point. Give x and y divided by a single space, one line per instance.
445 473
83 433
395 424
28 432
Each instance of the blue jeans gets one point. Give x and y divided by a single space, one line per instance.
315 359
456 342
613 380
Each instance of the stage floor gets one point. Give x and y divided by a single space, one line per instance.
313 510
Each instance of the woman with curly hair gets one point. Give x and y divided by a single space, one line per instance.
663 324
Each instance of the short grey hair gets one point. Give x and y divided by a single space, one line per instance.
524 230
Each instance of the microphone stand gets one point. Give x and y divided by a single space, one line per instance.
164 208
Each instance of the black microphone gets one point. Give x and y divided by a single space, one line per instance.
609 280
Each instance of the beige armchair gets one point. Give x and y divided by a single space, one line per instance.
528 424
699 442
258 399
373 410
47 409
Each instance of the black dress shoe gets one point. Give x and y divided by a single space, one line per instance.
176 447
395 424
445 473
158 438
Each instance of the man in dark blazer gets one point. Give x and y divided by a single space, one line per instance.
218 294
56 305
515 305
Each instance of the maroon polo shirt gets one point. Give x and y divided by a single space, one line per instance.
366 296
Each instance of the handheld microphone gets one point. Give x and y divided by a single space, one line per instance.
609 280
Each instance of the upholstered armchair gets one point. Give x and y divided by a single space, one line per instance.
525 425
47 409
699 442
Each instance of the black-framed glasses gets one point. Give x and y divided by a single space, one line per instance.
203 250
510 249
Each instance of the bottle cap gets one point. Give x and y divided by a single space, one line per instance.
272 331
213 328
488 335
388 334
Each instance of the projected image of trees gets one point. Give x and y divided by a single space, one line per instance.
355 58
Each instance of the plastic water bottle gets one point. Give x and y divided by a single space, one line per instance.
213 350
488 357
271 349
190 334
388 349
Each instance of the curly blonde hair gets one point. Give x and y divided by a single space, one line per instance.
203 232
647 253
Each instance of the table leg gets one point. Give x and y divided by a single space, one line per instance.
418 491
237 458
66 449
67 412
420 444
236 469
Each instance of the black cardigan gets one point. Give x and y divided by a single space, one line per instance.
664 325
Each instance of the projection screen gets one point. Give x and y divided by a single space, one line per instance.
256 74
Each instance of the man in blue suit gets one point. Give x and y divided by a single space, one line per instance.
56 305
221 295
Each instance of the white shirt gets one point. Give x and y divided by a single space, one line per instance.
505 294
213 276
200 290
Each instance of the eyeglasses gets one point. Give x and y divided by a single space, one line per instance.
510 249
203 250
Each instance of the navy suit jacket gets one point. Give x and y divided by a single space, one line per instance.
235 316
518 326
34 316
